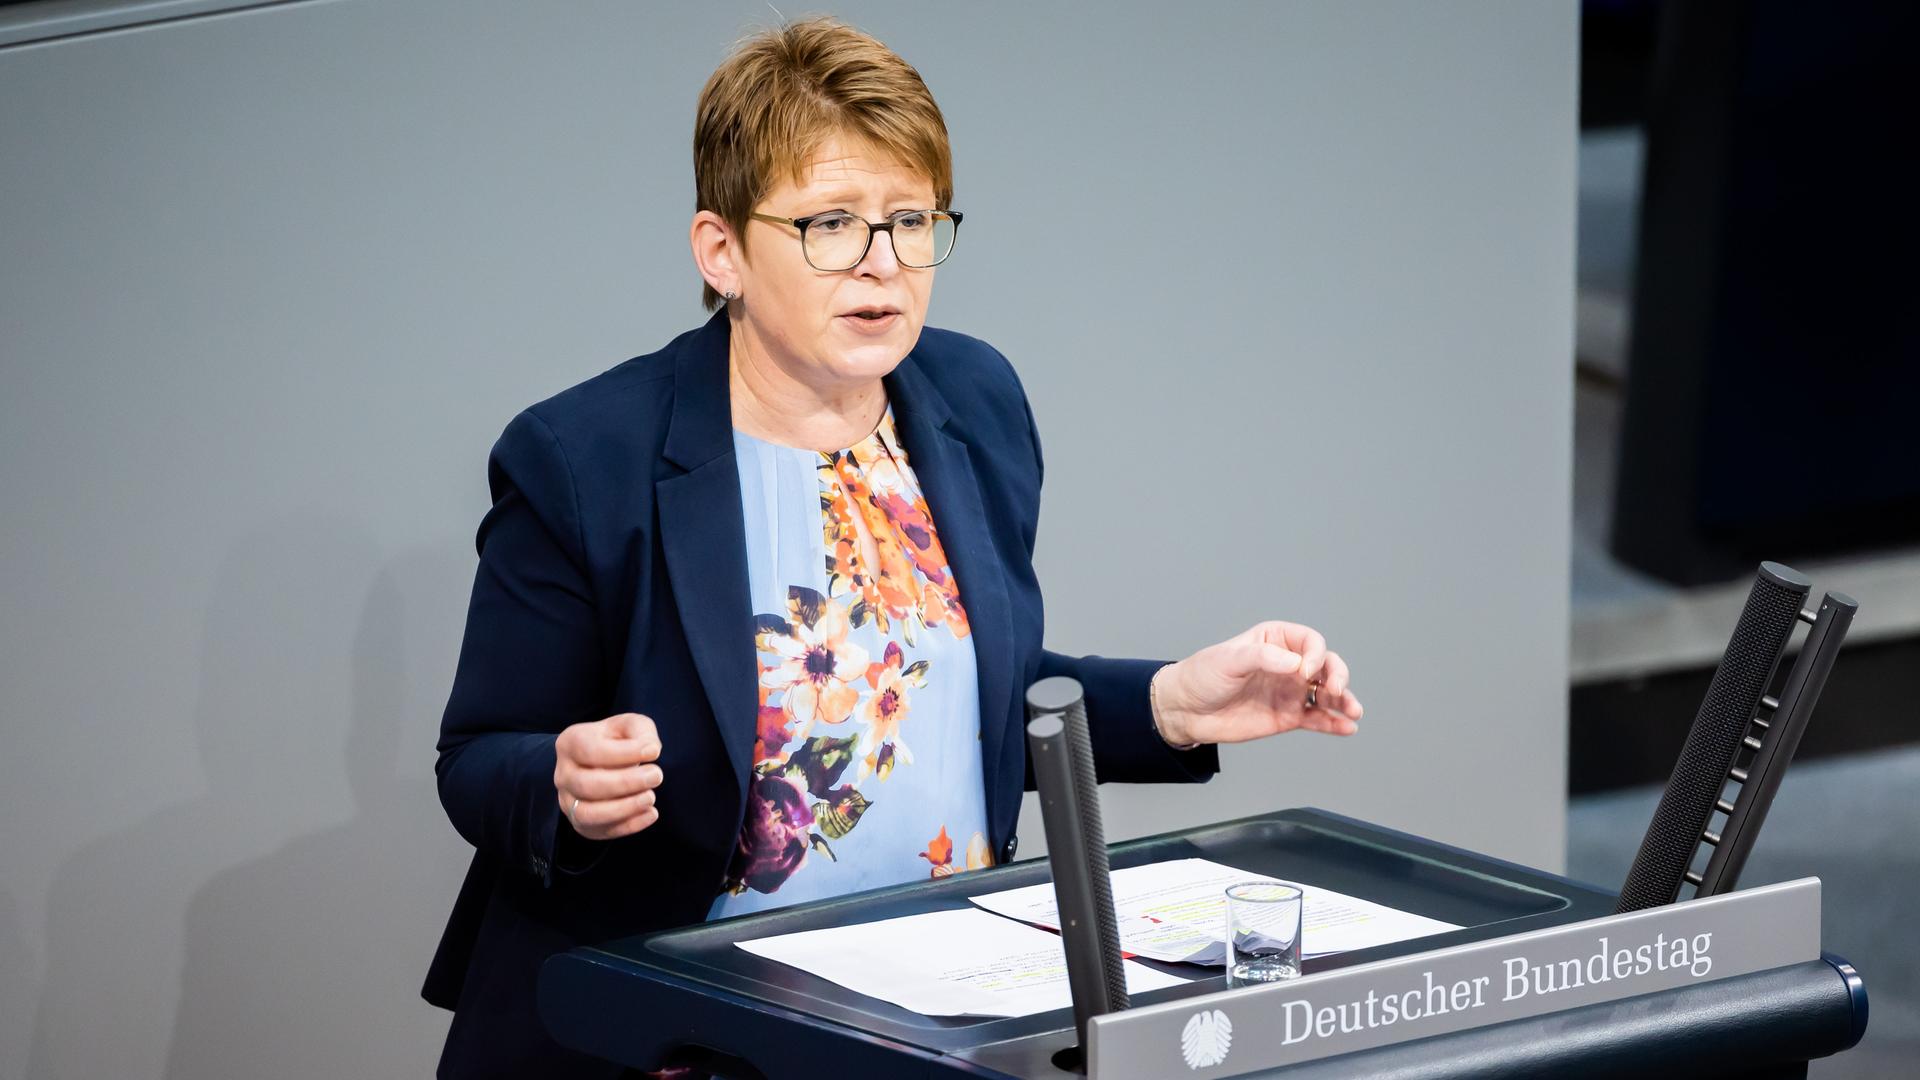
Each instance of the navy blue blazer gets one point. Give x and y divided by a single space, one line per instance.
613 578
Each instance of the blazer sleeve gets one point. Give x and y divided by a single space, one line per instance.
1126 746
530 661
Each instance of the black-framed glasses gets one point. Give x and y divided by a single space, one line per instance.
836 240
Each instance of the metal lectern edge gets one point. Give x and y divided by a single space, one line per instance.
1856 996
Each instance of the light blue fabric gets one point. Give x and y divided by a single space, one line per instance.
942 788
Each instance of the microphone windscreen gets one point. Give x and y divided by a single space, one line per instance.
1086 791
1063 772
1766 623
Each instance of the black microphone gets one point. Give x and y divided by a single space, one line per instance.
1076 848
1707 760
1773 746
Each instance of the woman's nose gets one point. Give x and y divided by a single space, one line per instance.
876 262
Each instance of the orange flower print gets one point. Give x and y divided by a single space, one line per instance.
850 546
922 544
913 526
979 855
880 747
865 556
940 853
773 735
817 665
941 607
878 533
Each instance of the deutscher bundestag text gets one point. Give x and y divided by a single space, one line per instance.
1519 977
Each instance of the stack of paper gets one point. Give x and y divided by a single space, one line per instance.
969 962
945 963
1176 911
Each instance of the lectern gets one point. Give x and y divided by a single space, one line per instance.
1544 977
690 995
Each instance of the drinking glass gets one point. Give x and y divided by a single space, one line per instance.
1263 932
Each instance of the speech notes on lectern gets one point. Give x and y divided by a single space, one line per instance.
1173 911
963 962
975 962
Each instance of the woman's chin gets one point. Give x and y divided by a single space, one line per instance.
870 357
870 363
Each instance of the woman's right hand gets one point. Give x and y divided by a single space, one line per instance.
604 774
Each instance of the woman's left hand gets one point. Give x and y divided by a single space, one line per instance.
1256 684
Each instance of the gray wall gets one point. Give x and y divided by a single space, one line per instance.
1290 287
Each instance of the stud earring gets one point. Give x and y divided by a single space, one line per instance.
729 295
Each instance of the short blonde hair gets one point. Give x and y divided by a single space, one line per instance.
783 92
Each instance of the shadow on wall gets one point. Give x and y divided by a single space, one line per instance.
280 957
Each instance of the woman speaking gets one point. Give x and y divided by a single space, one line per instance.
755 613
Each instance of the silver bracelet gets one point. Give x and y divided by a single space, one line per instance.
1153 710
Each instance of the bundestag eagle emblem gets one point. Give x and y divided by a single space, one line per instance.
1206 1039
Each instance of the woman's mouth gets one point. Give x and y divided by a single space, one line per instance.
871 322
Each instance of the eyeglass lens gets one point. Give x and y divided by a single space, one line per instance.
839 241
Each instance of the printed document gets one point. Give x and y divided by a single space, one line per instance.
945 963
1176 911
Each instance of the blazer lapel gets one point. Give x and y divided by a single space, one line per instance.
703 534
946 475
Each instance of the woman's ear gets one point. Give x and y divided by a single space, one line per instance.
716 251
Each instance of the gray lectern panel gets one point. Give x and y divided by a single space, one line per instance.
1238 1032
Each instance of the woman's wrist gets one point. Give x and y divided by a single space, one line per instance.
1164 725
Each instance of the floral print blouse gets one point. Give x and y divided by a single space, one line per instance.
867 767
